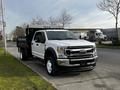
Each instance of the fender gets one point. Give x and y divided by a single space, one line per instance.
50 50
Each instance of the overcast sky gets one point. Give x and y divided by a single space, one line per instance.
84 12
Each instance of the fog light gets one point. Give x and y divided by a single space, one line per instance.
61 62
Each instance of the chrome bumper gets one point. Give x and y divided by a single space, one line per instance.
66 62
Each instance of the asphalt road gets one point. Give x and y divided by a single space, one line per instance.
106 75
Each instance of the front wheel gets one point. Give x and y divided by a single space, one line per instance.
51 66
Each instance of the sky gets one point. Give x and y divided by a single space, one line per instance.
85 13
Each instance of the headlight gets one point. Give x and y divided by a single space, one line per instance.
94 48
95 54
61 51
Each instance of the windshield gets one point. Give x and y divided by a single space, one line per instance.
60 35
99 34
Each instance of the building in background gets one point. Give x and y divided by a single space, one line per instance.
110 33
81 33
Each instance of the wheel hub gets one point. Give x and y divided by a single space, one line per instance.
49 66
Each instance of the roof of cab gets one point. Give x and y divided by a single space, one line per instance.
53 30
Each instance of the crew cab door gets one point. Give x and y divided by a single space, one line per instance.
38 44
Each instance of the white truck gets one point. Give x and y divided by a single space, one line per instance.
57 48
99 35
95 35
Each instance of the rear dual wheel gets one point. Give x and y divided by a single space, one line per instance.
23 55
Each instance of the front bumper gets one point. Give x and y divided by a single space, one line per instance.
77 62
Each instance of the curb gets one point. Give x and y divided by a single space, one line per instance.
53 84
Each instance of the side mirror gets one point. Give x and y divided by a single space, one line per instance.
36 40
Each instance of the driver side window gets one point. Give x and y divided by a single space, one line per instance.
39 37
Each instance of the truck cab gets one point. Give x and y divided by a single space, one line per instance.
60 48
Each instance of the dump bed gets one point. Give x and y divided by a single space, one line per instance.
29 31
26 41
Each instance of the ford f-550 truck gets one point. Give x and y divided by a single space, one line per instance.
57 48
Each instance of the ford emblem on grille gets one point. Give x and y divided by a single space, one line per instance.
83 51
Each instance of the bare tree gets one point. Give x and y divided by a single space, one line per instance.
61 21
113 7
24 25
65 18
39 21
18 32
52 21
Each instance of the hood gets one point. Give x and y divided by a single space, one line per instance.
71 42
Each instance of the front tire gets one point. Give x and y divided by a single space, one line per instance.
51 66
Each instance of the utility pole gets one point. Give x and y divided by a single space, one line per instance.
3 26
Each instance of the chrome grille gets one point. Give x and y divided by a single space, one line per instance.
79 52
